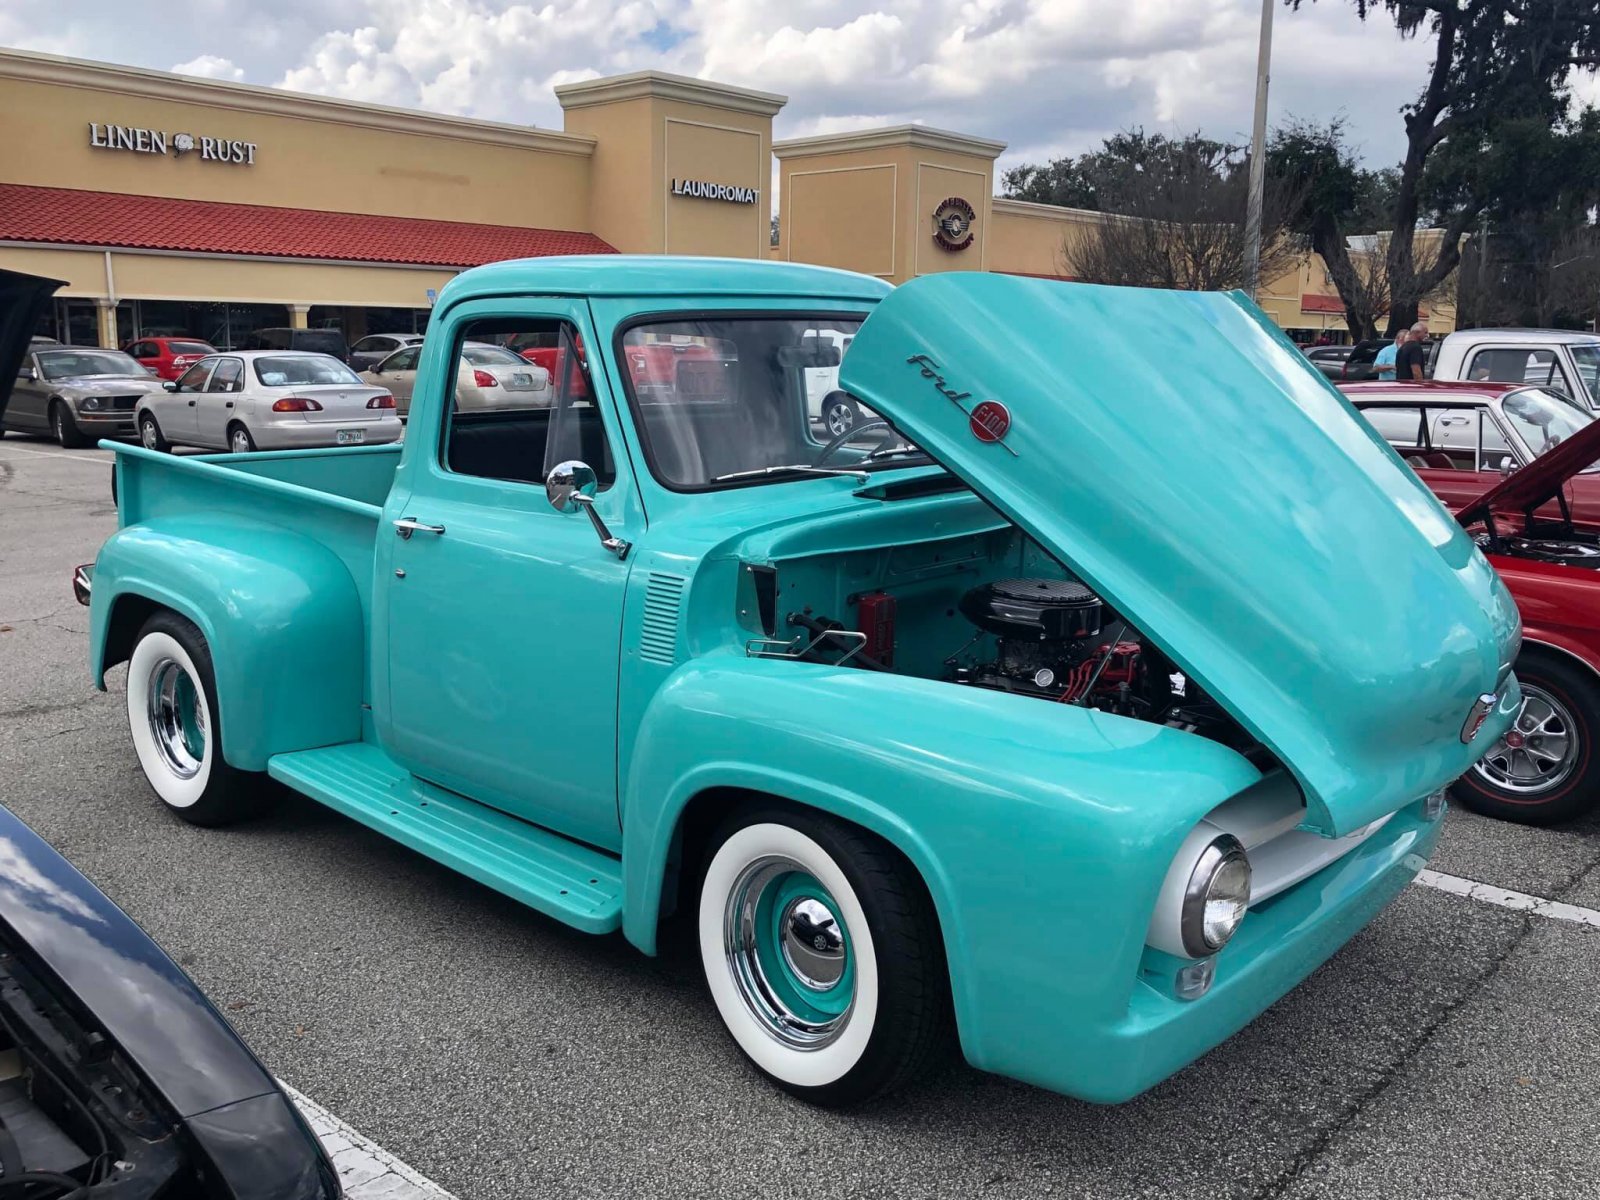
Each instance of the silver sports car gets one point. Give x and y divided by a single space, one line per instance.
77 394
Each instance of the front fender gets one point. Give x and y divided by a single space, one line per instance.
1042 831
279 611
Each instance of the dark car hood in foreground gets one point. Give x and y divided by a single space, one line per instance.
163 1024
1177 453
22 299
1539 481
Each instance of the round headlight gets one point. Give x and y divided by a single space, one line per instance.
1217 897
90 402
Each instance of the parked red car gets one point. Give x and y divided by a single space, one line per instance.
168 357
1538 520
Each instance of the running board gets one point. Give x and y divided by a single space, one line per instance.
545 871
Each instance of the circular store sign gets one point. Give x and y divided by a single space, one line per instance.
952 224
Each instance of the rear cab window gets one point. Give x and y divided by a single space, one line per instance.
294 370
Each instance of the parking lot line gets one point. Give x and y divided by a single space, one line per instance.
366 1170
99 462
1518 901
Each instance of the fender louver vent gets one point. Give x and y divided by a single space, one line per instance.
663 598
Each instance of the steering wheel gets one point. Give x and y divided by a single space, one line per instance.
829 450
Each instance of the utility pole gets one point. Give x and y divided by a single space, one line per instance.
1258 157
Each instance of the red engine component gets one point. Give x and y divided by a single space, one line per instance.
875 618
1121 666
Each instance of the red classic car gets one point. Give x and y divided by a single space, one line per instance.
1522 479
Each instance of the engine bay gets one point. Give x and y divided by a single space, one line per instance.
993 612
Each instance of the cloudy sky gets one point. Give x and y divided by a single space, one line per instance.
1046 76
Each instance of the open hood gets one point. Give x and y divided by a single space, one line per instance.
1181 456
1527 489
22 299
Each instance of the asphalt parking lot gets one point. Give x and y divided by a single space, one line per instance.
1453 1049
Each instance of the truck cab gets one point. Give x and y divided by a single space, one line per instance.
994 704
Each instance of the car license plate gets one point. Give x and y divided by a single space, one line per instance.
521 379
350 437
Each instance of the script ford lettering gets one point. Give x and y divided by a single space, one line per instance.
989 420
156 141
714 191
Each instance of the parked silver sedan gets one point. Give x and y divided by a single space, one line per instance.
488 377
267 400
76 394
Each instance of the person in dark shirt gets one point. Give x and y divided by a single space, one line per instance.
1410 364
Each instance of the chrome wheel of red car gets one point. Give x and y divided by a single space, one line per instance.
1538 752
1544 769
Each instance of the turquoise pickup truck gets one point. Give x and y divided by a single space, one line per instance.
1093 688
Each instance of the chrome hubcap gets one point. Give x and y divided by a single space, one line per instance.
838 420
147 435
241 442
789 953
1538 752
177 719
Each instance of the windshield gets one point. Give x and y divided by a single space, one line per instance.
492 356
1543 419
65 364
724 400
190 348
1587 359
304 369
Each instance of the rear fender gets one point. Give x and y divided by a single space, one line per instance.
1042 831
279 612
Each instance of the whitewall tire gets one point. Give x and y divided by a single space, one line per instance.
822 955
174 724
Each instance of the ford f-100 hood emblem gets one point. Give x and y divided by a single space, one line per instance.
1477 715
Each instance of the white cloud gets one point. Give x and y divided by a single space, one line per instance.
209 66
1046 76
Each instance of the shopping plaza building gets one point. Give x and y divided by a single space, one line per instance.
172 205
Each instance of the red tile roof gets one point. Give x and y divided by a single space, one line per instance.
82 218
1313 302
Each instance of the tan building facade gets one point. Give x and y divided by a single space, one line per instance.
181 206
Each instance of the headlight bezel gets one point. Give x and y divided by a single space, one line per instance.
1220 854
89 403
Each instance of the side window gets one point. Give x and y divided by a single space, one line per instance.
142 350
515 415
406 360
226 377
194 379
1508 364
1399 427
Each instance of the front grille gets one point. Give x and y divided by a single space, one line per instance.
123 403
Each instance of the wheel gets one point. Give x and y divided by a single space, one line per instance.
172 715
239 440
1545 768
65 428
823 956
839 414
150 435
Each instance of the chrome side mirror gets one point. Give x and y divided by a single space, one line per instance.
570 486
169 385
30 374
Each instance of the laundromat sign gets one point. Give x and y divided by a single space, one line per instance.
135 140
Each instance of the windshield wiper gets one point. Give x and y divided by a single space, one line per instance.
791 469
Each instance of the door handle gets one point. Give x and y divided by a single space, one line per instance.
406 526
191 404
229 404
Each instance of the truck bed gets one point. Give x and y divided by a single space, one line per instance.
334 496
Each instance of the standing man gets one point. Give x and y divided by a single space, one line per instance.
1410 364
1384 363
